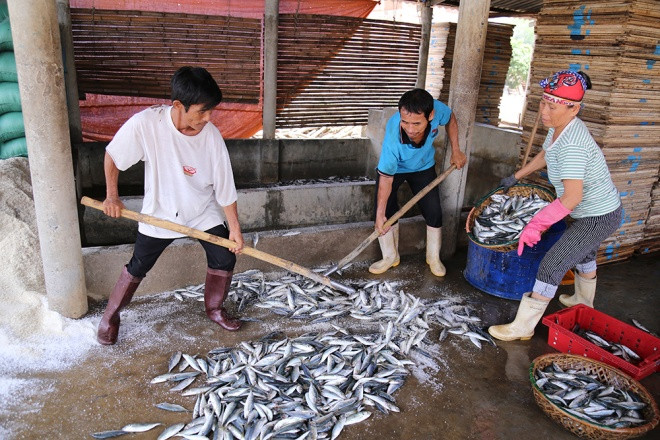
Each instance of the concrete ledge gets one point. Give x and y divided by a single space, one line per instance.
183 263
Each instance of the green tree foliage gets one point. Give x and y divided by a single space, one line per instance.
522 45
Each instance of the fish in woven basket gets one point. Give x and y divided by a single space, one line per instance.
504 218
583 395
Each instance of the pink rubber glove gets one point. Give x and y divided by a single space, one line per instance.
543 219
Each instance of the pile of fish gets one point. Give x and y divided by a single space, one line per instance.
504 218
620 350
373 302
584 396
313 385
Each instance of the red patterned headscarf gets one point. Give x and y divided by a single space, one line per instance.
564 87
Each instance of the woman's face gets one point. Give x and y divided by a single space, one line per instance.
556 115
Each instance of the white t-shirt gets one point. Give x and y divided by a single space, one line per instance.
187 179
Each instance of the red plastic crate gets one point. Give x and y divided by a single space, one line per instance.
563 339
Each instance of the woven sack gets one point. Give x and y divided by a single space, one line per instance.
8 67
10 97
13 148
11 126
6 42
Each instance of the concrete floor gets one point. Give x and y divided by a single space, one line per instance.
463 393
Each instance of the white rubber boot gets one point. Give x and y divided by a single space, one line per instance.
433 244
529 314
585 291
389 245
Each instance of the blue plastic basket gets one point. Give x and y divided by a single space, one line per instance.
505 274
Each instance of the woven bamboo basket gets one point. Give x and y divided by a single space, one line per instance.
521 189
607 375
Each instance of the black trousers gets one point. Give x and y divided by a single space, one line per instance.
148 249
429 204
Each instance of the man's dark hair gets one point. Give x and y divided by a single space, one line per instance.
195 85
417 101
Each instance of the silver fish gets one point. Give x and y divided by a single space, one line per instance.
140 427
171 407
109 434
170 431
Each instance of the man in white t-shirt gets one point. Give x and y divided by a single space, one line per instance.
188 180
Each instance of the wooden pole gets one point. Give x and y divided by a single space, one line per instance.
422 64
271 23
201 235
531 138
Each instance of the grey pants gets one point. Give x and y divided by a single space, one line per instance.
577 247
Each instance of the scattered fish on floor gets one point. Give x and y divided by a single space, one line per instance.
584 396
314 385
128 429
504 218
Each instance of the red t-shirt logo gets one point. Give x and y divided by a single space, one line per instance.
189 171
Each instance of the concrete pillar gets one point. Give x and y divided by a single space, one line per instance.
271 19
463 92
38 54
427 19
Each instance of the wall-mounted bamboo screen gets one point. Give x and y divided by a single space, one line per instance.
134 53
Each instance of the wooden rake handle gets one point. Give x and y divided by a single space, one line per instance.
201 235
531 137
435 182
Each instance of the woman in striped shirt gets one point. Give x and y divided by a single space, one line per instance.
578 171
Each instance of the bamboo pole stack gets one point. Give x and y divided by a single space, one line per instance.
616 43
497 57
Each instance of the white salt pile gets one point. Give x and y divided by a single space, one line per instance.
26 324
32 338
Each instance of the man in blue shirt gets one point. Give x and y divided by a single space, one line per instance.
408 155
